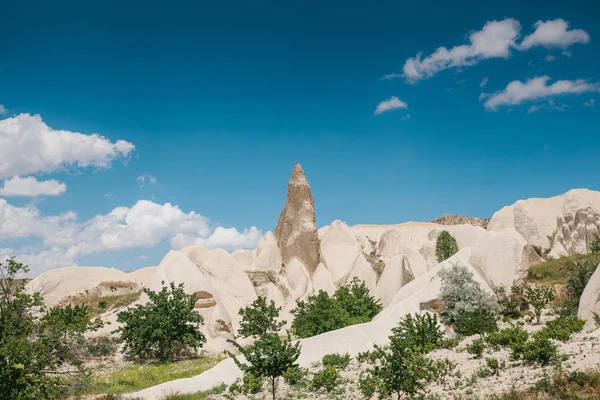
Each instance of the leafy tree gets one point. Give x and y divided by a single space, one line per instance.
328 378
38 347
269 356
164 327
357 301
445 246
318 314
460 294
539 350
538 298
419 332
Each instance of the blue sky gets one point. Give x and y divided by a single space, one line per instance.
216 101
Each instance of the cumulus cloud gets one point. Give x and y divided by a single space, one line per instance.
29 146
494 40
517 92
3 110
390 104
30 186
146 224
554 33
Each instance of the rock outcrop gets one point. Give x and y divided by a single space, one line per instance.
451 219
296 230
589 304
575 232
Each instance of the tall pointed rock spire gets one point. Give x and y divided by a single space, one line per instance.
296 230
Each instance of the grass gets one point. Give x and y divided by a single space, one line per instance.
199 395
137 377
572 386
558 271
100 304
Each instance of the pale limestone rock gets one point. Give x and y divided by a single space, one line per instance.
296 230
396 274
245 258
575 232
339 251
272 293
364 271
297 278
322 280
268 255
590 302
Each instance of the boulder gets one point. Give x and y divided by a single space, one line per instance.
296 230
590 302
339 251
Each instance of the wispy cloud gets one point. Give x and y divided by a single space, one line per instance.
391 76
549 58
3 110
590 103
390 104
484 82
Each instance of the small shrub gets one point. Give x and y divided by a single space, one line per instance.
250 384
451 342
368 385
539 350
476 348
295 376
576 285
328 378
563 327
494 365
509 337
510 301
538 298
475 322
101 346
595 245
367 357
421 332
445 246
336 360
102 304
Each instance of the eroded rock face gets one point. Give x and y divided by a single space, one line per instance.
296 230
575 232
589 304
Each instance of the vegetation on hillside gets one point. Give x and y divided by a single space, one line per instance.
445 246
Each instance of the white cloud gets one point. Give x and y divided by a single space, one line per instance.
549 58
554 33
590 103
143 257
567 54
145 224
30 186
3 110
390 104
149 178
29 146
534 109
517 92
495 40
109 195
391 76
406 117
484 82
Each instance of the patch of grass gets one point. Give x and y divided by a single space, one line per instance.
199 395
107 303
573 386
137 377
558 271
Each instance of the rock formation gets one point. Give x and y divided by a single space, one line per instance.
589 304
296 230
451 219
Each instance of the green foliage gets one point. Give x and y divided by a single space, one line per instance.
445 246
101 346
38 347
295 376
328 378
250 384
563 327
539 350
595 245
336 360
320 313
269 356
421 332
559 270
576 284
368 385
510 301
494 365
460 295
164 328
538 298
475 322
509 337
476 347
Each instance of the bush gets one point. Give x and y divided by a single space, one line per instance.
561 328
510 301
101 346
509 337
328 378
165 327
295 376
419 332
445 246
595 245
368 385
269 356
538 298
351 304
476 348
494 365
539 350
475 322
576 285
250 384
460 294
336 360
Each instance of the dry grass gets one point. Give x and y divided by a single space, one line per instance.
572 386
558 271
98 304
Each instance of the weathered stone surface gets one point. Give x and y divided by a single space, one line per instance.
339 251
322 280
396 274
296 230
363 270
575 232
590 302
451 219
268 255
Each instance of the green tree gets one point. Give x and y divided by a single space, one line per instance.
445 246
269 356
358 302
538 298
164 327
38 347
419 332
